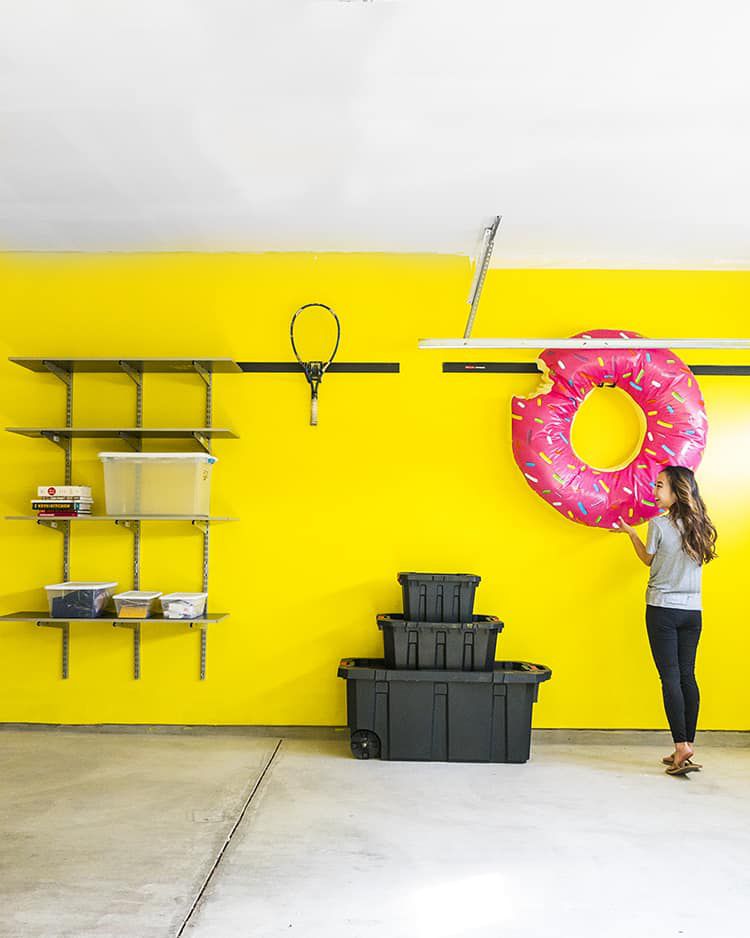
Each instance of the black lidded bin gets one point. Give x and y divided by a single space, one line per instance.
454 646
438 597
441 716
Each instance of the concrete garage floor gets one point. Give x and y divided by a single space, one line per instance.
219 835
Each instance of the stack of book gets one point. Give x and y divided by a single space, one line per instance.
62 501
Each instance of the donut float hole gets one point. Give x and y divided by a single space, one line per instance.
608 429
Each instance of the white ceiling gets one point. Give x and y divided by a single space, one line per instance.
606 134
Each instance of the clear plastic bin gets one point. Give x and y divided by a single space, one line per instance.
73 600
184 605
157 483
135 604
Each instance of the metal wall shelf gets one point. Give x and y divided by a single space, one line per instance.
42 619
38 617
133 436
142 365
213 519
64 369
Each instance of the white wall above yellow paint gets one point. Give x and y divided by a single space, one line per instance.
608 135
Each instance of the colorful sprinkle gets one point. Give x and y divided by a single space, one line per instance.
663 423
670 408
563 437
583 510
538 420
642 465
656 384
648 357
532 464
596 488
601 361
679 397
570 515
546 458
561 364
557 504
690 432
646 502
640 375
517 416
667 449
598 519
533 479
557 478
604 486
625 489
539 402
651 452
546 491
630 512
652 413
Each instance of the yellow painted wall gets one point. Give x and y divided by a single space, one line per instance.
404 472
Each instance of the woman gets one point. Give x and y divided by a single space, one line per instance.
677 545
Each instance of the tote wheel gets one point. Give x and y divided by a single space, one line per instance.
365 744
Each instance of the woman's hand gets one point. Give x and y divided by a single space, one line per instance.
623 526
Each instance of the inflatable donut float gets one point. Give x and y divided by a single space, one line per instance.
676 427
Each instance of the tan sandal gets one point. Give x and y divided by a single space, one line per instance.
682 768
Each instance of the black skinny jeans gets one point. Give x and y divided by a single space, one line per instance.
673 635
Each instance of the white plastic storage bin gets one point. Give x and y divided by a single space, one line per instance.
135 604
184 605
71 600
157 483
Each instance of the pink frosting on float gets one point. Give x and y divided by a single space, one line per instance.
676 428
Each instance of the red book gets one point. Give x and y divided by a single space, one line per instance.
63 514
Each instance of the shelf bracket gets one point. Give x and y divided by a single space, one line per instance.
137 378
203 440
207 377
133 441
203 372
59 524
65 628
62 441
65 376
136 628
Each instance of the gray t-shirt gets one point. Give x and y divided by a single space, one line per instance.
675 580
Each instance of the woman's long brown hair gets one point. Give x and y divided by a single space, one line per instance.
698 533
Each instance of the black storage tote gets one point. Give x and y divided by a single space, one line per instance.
438 597
441 716
456 646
